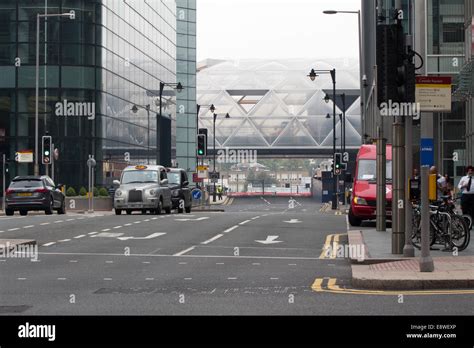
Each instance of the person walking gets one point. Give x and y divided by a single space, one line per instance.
466 186
440 182
219 193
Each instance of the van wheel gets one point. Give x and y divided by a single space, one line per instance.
168 210
129 212
188 210
9 212
23 212
118 211
62 209
49 211
354 221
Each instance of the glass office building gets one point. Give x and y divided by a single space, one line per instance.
113 55
186 117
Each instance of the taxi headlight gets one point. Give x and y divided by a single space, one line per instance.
153 192
118 193
175 193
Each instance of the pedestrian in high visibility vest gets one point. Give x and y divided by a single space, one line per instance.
466 186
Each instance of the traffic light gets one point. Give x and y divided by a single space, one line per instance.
386 62
201 145
337 164
46 149
405 70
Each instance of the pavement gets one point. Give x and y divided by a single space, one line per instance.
262 256
379 269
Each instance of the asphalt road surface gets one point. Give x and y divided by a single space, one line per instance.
259 257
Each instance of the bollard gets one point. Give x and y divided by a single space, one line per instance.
426 261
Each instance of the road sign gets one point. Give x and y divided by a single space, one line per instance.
433 93
25 156
215 175
202 168
427 152
196 178
197 194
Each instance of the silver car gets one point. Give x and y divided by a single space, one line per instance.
143 188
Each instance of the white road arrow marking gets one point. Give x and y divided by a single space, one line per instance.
293 221
151 236
199 219
107 235
270 240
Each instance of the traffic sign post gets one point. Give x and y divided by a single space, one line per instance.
91 163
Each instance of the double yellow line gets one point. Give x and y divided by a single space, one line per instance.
330 247
330 285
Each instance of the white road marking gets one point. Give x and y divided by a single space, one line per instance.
80 236
45 223
150 279
151 236
189 256
147 220
219 263
255 218
30 226
107 235
109 262
70 219
73 261
2 231
92 233
274 278
256 264
14 229
107 279
59 221
232 278
292 264
106 229
128 225
188 278
231 229
155 218
3 260
64 240
244 222
270 240
212 239
21 278
137 222
347 223
198 219
49 244
117 227
61 278
183 263
146 262
184 251
81 218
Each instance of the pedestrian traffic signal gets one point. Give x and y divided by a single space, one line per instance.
337 164
201 145
46 149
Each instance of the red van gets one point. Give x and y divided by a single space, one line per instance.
364 189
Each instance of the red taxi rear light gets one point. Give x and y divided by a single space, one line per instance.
9 191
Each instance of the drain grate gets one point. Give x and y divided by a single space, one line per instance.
13 309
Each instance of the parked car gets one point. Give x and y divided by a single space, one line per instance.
143 188
27 193
180 191
364 189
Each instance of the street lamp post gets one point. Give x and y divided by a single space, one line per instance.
71 15
214 155
178 87
147 108
312 75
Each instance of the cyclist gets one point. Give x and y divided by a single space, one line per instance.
466 186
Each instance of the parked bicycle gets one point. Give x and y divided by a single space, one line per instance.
446 226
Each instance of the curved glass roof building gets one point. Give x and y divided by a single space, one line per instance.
274 106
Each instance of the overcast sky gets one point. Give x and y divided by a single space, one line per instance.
276 29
